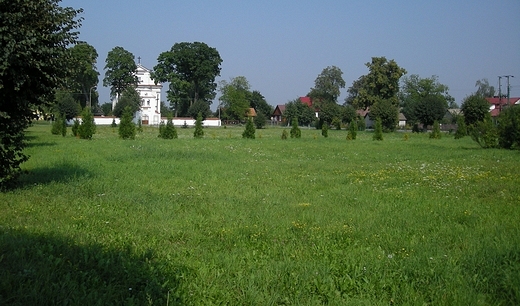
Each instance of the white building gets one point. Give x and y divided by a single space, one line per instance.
150 94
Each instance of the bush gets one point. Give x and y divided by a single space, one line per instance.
509 128
87 127
167 131
436 131
378 132
59 126
199 132
75 128
139 126
352 130
249 132
126 126
336 123
484 133
325 130
461 128
114 124
284 135
295 130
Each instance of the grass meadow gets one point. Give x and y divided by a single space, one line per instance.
229 221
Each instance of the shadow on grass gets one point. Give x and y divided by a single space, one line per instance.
40 269
61 173
40 144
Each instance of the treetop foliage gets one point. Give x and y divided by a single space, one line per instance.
191 69
84 73
474 107
129 98
327 85
120 71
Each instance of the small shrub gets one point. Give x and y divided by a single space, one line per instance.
284 134
295 130
114 124
199 132
361 124
185 125
139 126
378 130
87 127
75 128
325 130
352 130
436 131
461 128
126 126
509 128
406 137
167 131
259 120
249 132
59 126
415 128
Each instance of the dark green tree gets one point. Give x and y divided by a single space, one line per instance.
260 120
347 113
107 109
191 69
199 132
84 74
258 102
126 125
423 100
295 130
474 107
329 111
430 109
378 130
509 128
75 128
87 127
66 106
199 107
59 126
301 111
249 132
387 112
120 71
129 98
34 61
284 134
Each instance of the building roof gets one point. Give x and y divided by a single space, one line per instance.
306 100
251 112
498 103
279 110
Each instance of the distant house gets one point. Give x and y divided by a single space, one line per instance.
251 112
451 115
277 115
369 123
496 104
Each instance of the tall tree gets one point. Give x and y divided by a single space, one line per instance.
258 102
380 86
191 69
475 108
120 71
327 85
381 83
234 97
34 61
484 89
424 100
84 74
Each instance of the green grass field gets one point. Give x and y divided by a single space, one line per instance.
229 221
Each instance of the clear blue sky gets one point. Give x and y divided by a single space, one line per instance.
281 46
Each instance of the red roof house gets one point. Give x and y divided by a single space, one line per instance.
498 104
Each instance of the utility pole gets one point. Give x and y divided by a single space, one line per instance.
499 94
508 87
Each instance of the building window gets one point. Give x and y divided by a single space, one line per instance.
148 102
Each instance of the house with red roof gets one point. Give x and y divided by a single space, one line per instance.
496 104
